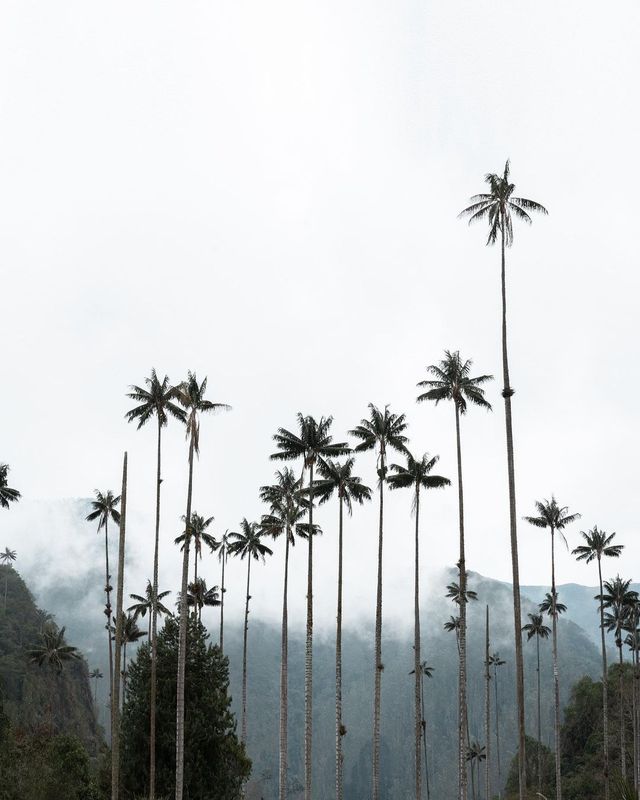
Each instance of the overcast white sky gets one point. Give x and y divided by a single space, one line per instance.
267 193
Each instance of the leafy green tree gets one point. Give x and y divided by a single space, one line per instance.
497 207
157 400
7 494
338 478
247 544
536 628
555 518
190 394
381 432
198 536
416 476
451 380
312 443
215 765
599 545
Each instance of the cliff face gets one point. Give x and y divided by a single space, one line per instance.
36 696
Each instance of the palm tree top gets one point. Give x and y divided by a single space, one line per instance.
417 475
536 627
454 593
551 515
312 443
156 399
95 673
104 507
383 430
8 556
452 381
248 542
53 651
598 544
337 477
190 395
550 605
425 669
145 602
495 659
7 494
197 531
498 205
199 595
452 624
130 630
617 593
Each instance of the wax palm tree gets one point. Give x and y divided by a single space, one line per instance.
198 536
620 599
632 640
476 753
144 605
536 628
190 394
495 661
199 596
554 518
455 594
7 494
425 671
451 380
131 633
312 444
247 544
338 478
53 651
287 508
7 558
599 545
104 509
157 399
95 675
497 207
381 432
452 625
223 552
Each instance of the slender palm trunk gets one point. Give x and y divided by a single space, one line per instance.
539 742
308 656
416 652
182 642
495 689
507 392
339 773
487 712
154 630
195 562
623 744
284 676
224 559
556 671
107 608
244 656
462 638
424 736
605 704
115 704
636 704
124 674
378 646
473 780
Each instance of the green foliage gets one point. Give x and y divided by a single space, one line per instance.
548 772
215 762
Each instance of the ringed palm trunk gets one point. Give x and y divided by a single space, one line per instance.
308 656
495 690
487 713
339 773
424 736
284 676
115 700
244 657
224 558
507 392
378 647
623 744
107 609
556 676
539 746
154 631
462 638
182 645
416 653
605 704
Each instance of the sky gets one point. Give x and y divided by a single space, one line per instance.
267 194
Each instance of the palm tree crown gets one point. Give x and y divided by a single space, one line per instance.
190 395
104 508
156 400
312 443
197 533
452 381
551 515
550 605
7 494
144 603
338 478
54 650
248 542
417 474
598 544
498 205
8 556
536 627
287 508
383 430
454 593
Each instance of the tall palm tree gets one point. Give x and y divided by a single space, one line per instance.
145 605
599 545
7 494
115 705
451 380
620 599
199 596
426 671
632 640
476 753
198 535
53 651
415 476
338 478
381 432
497 207
104 508
155 399
452 625
536 627
191 396
555 518
495 661
223 552
287 508
487 708
312 443
7 558
95 675
131 633
247 544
